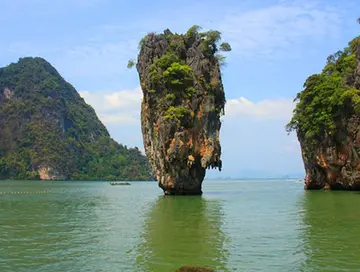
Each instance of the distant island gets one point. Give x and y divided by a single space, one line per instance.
48 132
183 100
327 122
257 175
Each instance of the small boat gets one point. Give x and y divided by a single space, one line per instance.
120 183
299 181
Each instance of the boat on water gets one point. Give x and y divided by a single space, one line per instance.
120 183
299 181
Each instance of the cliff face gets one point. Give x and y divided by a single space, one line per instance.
335 163
47 131
183 100
327 122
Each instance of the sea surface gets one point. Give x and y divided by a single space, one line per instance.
237 225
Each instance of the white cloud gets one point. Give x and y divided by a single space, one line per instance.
121 107
123 99
279 27
102 51
265 109
124 107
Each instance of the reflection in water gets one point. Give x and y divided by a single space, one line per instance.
332 233
183 231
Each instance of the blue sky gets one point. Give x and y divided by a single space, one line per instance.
276 46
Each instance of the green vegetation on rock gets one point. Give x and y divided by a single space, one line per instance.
176 112
171 77
131 64
225 47
328 98
44 123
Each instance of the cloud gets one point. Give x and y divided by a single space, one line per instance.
265 109
279 28
102 51
124 99
121 107
124 106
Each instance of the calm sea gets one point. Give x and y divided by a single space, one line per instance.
245 225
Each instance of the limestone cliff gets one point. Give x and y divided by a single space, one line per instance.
48 173
47 131
181 108
327 122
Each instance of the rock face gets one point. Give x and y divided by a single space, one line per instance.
183 100
335 164
47 173
47 131
327 121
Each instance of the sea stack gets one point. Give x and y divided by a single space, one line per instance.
327 122
183 100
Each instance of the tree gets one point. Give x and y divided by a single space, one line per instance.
327 98
131 64
225 47
194 30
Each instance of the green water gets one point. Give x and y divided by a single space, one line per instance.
253 225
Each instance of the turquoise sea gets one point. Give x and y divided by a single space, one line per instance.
237 225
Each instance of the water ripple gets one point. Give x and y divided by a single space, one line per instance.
234 226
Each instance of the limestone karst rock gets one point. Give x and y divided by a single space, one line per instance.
327 122
48 132
181 108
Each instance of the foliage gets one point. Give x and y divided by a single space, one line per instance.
178 76
131 64
47 123
167 71
209 43
178 43
193 31
176 112
169 100
166 60
170 97
225 47
169 80
327 98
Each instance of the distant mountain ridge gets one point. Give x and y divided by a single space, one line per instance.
255 174
47 131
